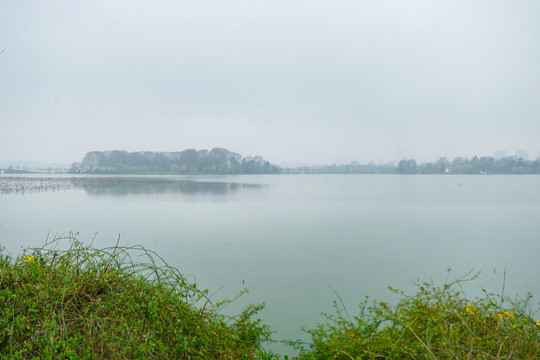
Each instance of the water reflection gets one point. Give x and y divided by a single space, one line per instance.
185 187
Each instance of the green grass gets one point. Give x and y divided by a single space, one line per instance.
83 303
71 301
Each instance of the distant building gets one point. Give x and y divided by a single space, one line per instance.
524 154
499 154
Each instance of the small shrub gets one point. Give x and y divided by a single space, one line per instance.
436 323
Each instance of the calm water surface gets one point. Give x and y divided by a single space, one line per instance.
291 239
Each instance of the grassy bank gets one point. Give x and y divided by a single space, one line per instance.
70 301
83 303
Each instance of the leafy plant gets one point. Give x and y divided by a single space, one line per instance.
85 303
435 323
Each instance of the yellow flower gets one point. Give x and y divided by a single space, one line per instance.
505 314
469 309
30 259
538 322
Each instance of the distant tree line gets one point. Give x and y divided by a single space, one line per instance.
190 161
476 165
223 161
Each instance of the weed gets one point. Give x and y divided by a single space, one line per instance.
84 303
435 323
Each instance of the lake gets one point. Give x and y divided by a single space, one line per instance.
293 240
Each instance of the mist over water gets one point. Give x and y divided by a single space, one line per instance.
292 240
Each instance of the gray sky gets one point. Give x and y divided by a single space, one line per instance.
293 81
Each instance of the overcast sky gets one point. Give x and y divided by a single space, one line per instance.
293 81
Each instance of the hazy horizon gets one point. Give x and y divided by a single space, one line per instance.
307 82
34 164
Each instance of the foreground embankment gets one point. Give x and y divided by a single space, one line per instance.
71 301
99 304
